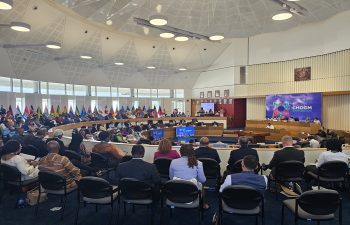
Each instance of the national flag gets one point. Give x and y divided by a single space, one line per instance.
83 111
31 111
89 110
52 111
160 111
106 110
38 112
144 112
46 111
133 109
95 110
111 111
26 111
10 110
64 113
19 112
71 111
77 110
127 108
58 111
155 108
122 109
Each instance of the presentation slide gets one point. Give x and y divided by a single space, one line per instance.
184 131
207 106
157 134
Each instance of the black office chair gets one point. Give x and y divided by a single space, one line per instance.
163 165
182 194
96 191
330 172
237 167
144 127
160 121
242 200
116 124
136 192
154 126
317 205
211 170
342 139
167 124
254 146
171 121
32 150
144 141
199 124
305 145
100 162
126 158
72 155
150 122
288 171
12 176
54 184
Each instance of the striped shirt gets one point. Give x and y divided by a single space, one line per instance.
61 165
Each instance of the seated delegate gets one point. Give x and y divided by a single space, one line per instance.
165 150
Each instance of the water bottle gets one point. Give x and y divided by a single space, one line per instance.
291 187
20 203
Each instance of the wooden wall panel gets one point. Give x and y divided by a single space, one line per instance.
256 108
336 112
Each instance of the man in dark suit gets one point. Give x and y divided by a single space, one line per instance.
37 141
49 122
206 152
127 123
141 170
287 153
57 135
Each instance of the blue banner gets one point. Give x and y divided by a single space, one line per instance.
295 105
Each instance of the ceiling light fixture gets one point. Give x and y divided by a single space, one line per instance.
216 36
17 26
151 67
119 63
290 6
183 68
282 14
158 20
167 35
81 56
6 4
181 38
52 45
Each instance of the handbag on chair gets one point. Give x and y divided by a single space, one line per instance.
32 196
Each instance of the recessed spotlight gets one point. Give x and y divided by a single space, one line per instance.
216 36
158 20
282 14
183 68
151 67
107 38
85 56
119 63
109 22
6 4
53 45
181 38
19 26
86 32
167 35
35 7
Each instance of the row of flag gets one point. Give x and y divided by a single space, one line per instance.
31 112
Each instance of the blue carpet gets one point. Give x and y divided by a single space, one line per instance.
87 216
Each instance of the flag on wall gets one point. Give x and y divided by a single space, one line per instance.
111 111
71 111
127 108
77 110
122 109
160 111
52 111
106 110
89 110
24 116
10 110
58 111
46 111
31 111
26 111
133 109
38 112
144 112
83 111
95 110
64 113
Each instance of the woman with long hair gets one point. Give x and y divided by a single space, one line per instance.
78 146
188 168
165 150
28 168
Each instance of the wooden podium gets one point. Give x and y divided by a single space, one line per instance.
258 137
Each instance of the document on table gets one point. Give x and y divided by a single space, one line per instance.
26 156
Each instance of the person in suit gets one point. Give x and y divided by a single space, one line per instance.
37 141
127 123
49 122
93 130
141 170
239 154
57 135
206 152
287 153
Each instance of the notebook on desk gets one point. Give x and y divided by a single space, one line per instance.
26 156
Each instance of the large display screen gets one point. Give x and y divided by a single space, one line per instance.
184 131
157 134
207 106
295 105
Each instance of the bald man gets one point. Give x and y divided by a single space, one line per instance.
59 164
206 152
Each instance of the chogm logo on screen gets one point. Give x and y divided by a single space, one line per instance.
281 109
302 108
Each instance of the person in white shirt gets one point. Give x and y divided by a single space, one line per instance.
267 118
313 143
269 126
316 121
333 153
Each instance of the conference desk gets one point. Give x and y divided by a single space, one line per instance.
258 137
294 129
